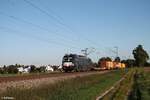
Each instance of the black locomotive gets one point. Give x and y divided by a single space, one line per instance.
74 62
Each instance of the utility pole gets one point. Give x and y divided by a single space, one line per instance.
116 47
87 51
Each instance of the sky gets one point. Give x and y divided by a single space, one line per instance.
42 31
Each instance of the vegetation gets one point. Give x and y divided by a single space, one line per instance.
129 63
80 88
121 89
140 58
140 55
11 69
104 59
117 59
141 86
135 86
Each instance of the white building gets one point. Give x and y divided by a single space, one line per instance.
49 68
24 69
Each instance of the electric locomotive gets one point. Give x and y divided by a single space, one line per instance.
74 62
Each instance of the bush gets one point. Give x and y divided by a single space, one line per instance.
33 69
11 69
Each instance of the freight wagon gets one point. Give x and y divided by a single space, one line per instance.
111 65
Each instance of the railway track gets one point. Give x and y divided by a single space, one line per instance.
30 77
40 76
43 79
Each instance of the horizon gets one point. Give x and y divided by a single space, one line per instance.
42 32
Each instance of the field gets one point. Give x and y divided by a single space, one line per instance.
141 86
79 88
135 85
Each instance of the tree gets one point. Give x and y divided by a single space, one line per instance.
147 64
108 59
5 69
117 59
140 55
129 62
12 69
33 68
104 59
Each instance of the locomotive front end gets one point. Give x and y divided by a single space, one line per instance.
68 63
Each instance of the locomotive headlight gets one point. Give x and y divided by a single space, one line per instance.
72 64
67 64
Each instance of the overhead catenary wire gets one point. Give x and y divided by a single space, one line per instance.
63 24
62 37
49 15
44 12
57 20
36 37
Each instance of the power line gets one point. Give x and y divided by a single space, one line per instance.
60 22
88 51
57 20
50 15
36 37
24 21
43 11
37 26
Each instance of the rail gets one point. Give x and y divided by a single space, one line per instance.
111 88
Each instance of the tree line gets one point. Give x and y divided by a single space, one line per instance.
13 69
140 55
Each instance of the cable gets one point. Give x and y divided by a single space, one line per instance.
41 10
49 15
61 23
54 18
36 37
35 25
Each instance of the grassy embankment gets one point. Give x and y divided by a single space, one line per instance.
80 88
141 86
27 74
135 86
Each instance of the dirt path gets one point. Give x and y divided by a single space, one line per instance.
147 69
35 81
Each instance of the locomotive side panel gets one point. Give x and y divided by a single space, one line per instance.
76 62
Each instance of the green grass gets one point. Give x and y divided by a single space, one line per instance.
121 89
141 86
143 82
135 86
26 74
8 75
80 88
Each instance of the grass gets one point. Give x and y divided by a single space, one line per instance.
141 87
26 74
121 89
135 86
79 88
145 86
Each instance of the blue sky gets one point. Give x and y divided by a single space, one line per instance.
32 36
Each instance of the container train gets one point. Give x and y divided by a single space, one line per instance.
111 65
74 62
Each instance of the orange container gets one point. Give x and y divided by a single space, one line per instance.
123 65
106 64
117 65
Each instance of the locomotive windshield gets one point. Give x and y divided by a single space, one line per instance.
68 59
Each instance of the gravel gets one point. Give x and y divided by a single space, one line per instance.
35 82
